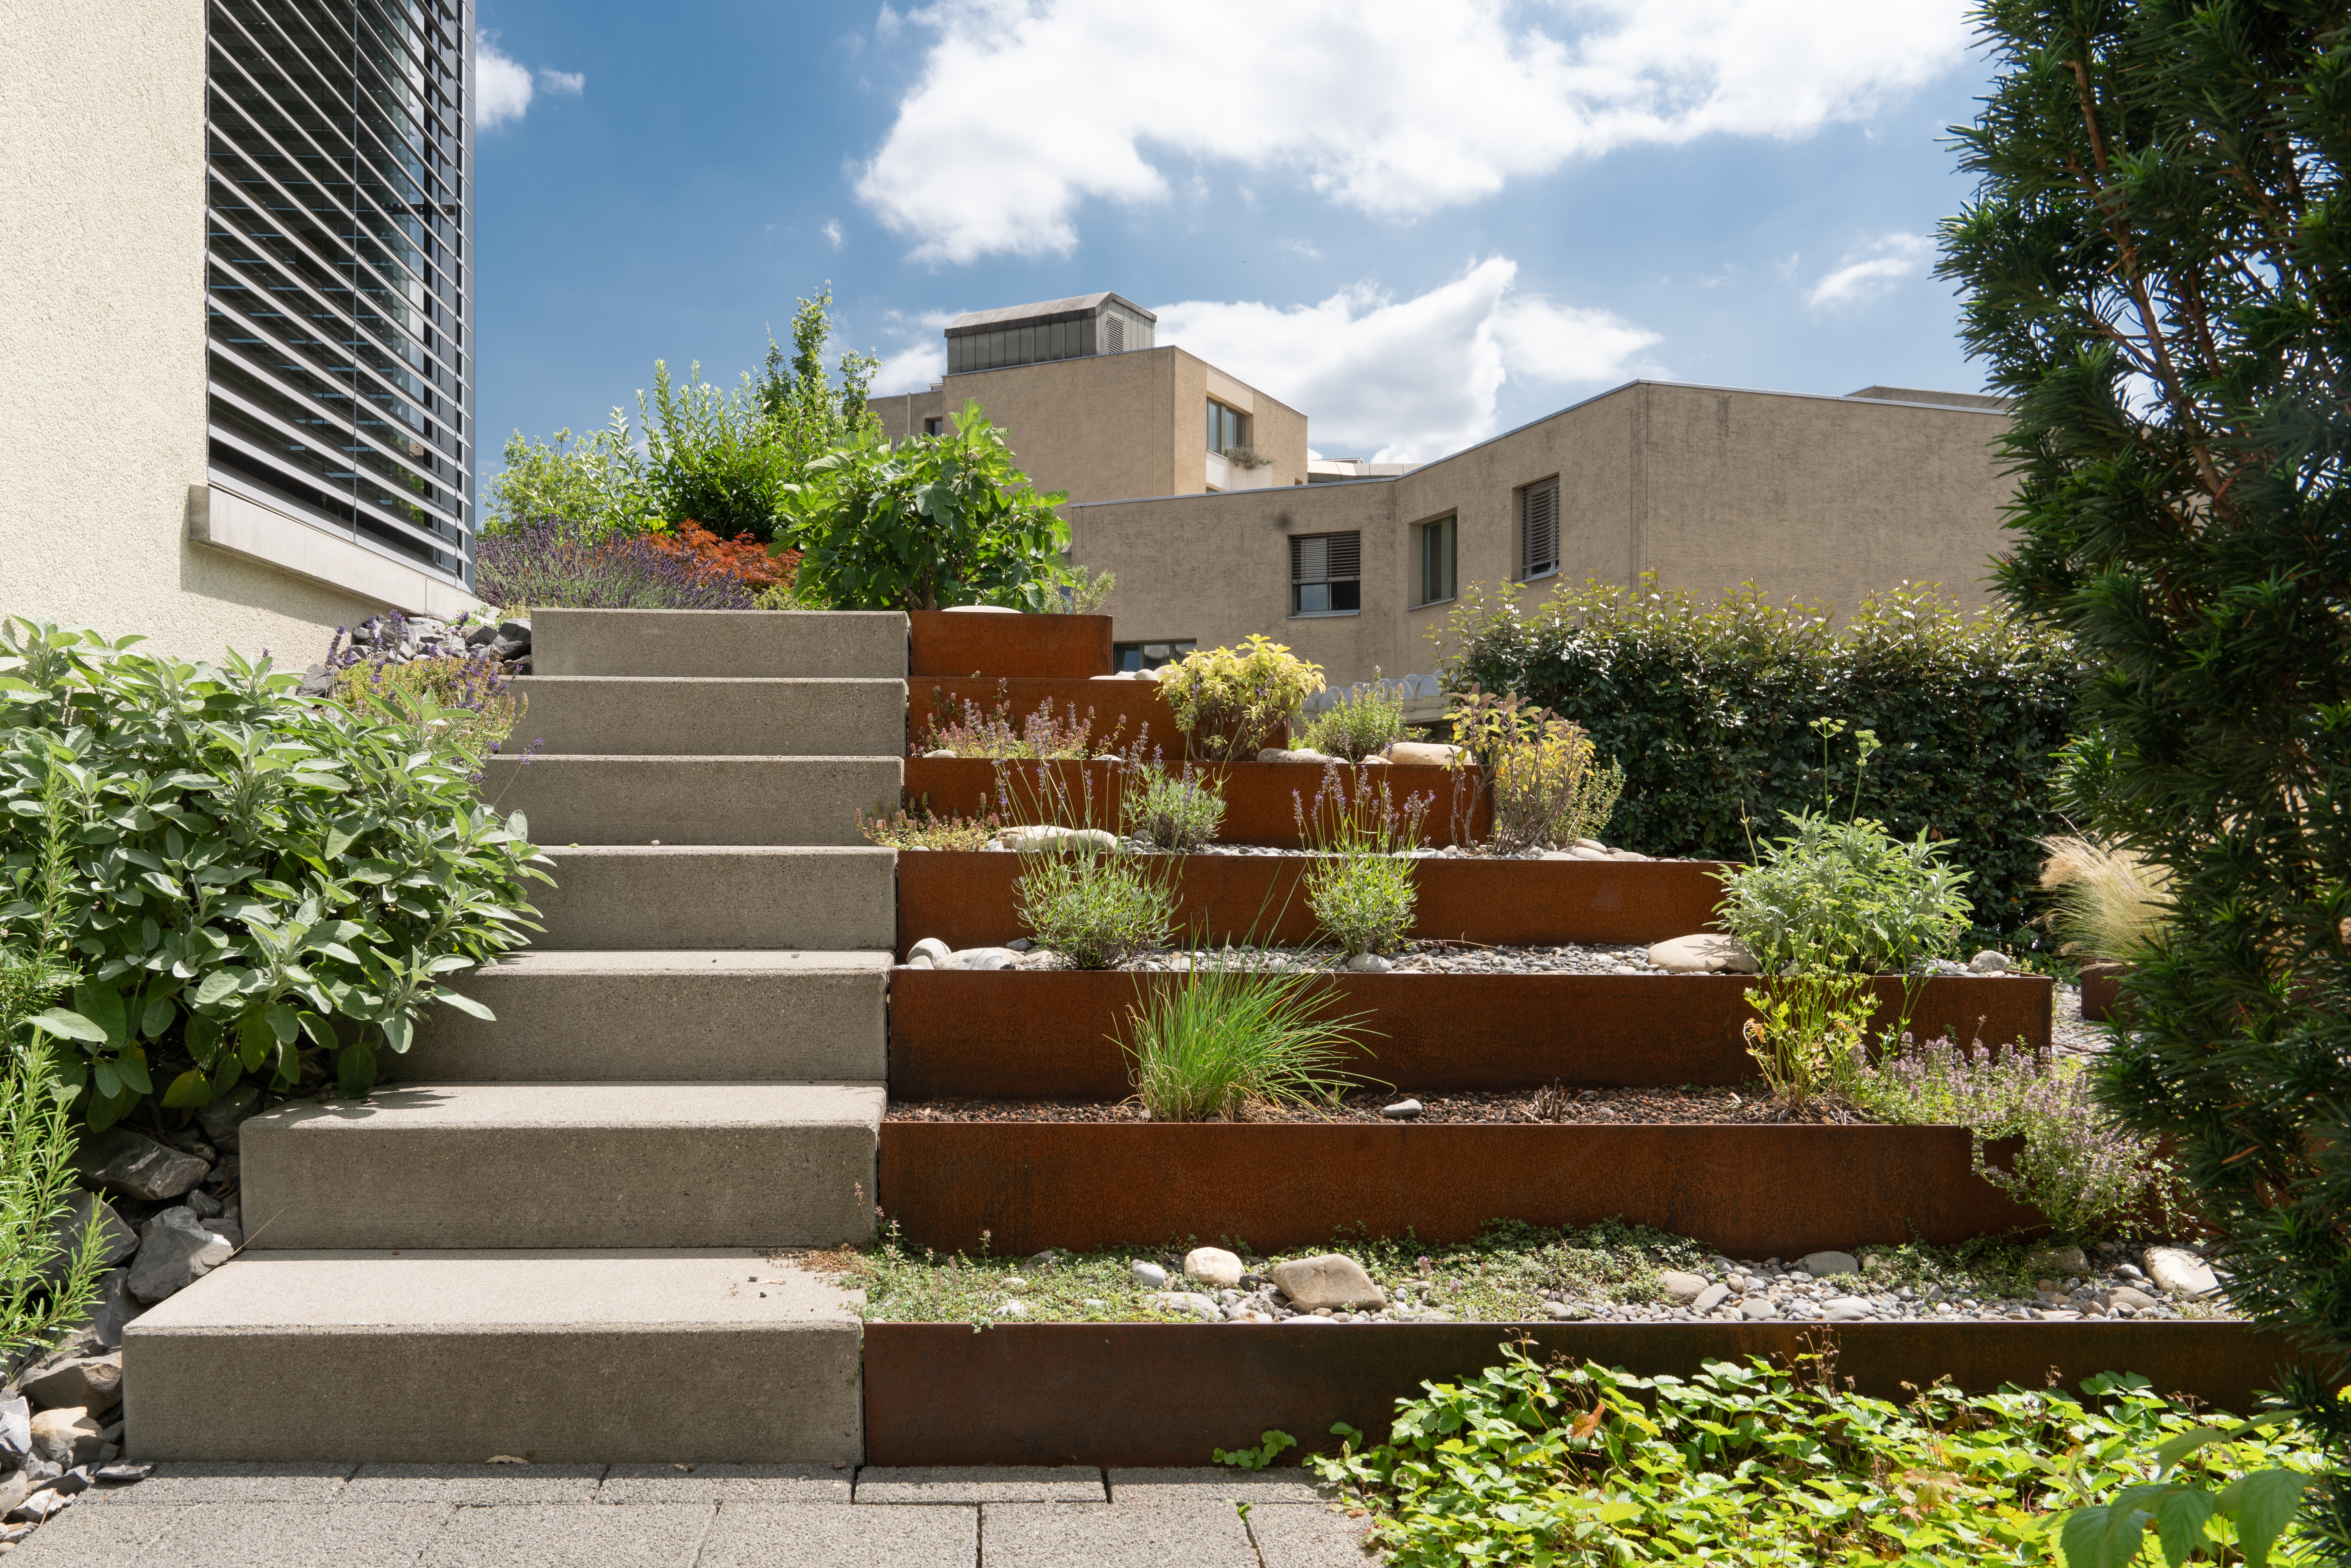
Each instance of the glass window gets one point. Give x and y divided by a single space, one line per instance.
1130 656
1228 428
1436 562
934 426
1326 574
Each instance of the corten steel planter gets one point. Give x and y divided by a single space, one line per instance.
1140 705
2102 994
1008 1034
962 643
1750 1191
964 898
1260 798
1098 1394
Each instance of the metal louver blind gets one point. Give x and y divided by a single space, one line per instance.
1538 529
1324 557
1113 334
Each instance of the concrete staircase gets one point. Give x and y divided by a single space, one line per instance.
547 1236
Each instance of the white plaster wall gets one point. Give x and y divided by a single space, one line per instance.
102 339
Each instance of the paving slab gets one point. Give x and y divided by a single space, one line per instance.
817 1535
725 1483
473 1485
1104 1535
85 1537
980 1483
296 1535
1293 1537
635 897
1251 1487
177 1483
568 1535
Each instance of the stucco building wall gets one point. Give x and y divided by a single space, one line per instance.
102 183
1826 500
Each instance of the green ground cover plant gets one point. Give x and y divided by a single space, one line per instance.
1527 1464
1093 907
259 884
1708 705
2151 268
1231 1034
918 829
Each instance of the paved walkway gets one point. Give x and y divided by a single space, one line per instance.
705 1516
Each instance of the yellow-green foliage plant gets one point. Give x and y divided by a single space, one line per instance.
1550 788
1231 700
2111 903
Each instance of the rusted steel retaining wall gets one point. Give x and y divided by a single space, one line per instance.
966 899
1751 1191
1010 1034
966 644
1098 1394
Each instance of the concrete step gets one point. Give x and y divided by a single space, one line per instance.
655 1356
680 1016
668 715
830 646
565 1164
633 897
702 801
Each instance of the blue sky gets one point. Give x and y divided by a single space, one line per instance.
1420 223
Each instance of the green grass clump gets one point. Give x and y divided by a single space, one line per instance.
1760 1465
1227 1036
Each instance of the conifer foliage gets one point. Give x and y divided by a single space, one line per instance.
2154 268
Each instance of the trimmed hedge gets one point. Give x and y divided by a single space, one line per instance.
1708 705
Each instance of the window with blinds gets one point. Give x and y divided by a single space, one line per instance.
339 286
1539 529
1326 574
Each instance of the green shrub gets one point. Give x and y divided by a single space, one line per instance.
1177 811
1097 910
48 1282
1549 788
928 523
1362 724
1231 700
1844 897
1522 1463
259 884
1708 707
1227 1035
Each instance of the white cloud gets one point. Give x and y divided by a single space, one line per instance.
921 357
570 84
1406 381
501 86
1394 107
833 232
1871 271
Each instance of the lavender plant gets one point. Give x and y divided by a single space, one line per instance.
1360 883
1176 812
472 694
962 727
569 566
2078 1166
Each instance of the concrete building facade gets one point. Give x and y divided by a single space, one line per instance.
240 341
1823 498
1105 420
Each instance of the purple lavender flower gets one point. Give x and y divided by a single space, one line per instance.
558 565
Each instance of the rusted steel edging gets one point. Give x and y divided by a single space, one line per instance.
1016 1034
1098 1394
943 642
966 899
1262 798
1752 1191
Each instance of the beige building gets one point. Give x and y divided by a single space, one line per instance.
1091 404
1823 498
238 399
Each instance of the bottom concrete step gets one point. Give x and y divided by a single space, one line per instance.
564 1164
647 1356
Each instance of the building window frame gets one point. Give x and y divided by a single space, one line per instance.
1436 546
1538 529
1129 657
935 425
1326 576
1228 428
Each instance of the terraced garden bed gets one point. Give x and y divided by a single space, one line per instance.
962 642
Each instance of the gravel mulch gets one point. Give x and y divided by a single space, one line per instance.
1619 1107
